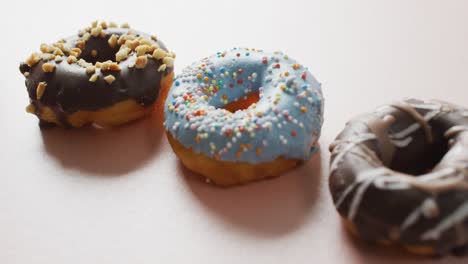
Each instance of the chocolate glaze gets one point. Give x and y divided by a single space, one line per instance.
69 89
401 174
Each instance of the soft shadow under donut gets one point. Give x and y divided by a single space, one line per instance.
269 208
112 152
371 252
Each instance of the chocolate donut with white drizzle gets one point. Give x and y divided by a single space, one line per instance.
400 175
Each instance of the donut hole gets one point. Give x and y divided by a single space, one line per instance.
99 50
242 103
417 161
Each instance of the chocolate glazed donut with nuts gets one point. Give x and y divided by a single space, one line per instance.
399 176
104 75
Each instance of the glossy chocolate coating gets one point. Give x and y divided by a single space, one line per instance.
69 89
400 174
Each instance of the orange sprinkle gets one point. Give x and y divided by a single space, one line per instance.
303 109
286 74
206 79
242 147
238 154
249 146
258 151
199 76
197 138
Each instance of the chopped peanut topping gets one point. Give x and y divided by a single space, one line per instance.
110 66
90 69
94 77
58 51
141 50
81 44
95 31
48 67
169 61
159 54
71 59
144 41
86 36
33 59
153 47
46 48
30 108
40 89
83 63
112 41
132 44
122 54
109 79
75 52
141 62
47 56
162 68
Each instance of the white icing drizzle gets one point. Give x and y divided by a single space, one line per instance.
391 183
401 143
412 218
434 182
428 209
411 129
351 144
359 179
409 109
456 217
380 127
427 106
455 130
369 177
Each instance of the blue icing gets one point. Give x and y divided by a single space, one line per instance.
285 122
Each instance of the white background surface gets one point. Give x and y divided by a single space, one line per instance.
120 196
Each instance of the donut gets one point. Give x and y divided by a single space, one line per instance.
104 75
399 176
243 115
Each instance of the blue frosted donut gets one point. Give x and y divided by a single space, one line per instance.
285 122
